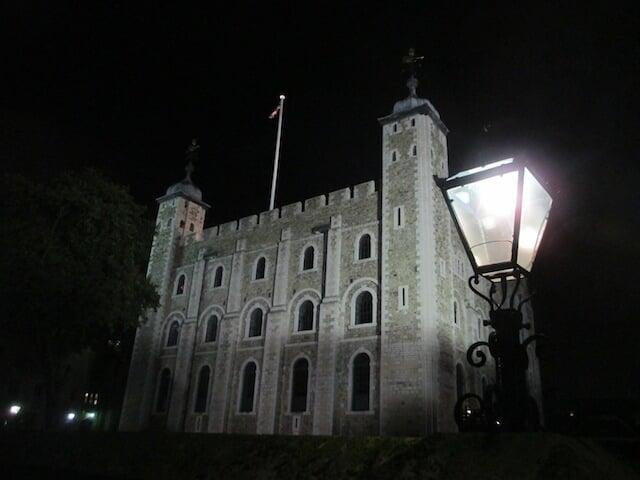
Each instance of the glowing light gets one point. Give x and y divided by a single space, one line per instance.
468 411
90 415
498 194
463 196
15 409
528 238
498 422
489 223
281 97
71 416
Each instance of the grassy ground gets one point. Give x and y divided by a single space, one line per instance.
190 456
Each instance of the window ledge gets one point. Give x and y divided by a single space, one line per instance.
357 413
310 270
304 332
364 260
362 325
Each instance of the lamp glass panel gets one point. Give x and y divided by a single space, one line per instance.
536 204
485 210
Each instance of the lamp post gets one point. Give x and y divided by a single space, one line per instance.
500 211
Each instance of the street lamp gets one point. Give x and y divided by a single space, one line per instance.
500 211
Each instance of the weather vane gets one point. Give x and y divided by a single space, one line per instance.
191 156
411 64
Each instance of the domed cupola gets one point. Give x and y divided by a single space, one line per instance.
185 187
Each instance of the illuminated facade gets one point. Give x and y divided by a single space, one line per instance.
345 314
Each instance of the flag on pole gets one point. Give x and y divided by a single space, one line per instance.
275 112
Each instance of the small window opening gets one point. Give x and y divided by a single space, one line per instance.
308 259
255 323
202 393
414 150
260 268
164 387
248 388
174 334
181 283
399 217
364 247
305 316
299 384
361 383
217 279
364 308
212 329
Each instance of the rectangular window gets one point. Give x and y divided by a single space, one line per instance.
413 122
398 217
403 297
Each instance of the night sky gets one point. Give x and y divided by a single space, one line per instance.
124 89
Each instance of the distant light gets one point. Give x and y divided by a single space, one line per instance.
15 409
71 416
468 411
281 97
571 414
498 422
90 415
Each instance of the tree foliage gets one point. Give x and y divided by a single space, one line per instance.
73 251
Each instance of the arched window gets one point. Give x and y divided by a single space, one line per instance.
261 266
305 316
180 285
393 156
459 380
164 387
364 247
217 279
361 383
255 323
414 151
299 384
309 258
202 393
248 391
364 308
211 332
174 334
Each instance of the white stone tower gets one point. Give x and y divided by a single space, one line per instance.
180 218
413 150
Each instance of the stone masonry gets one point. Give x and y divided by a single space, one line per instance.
424 315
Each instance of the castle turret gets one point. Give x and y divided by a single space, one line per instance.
414 149
181 214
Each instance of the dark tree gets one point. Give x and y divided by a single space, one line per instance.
73 251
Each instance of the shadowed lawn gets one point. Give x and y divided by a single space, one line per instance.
192 456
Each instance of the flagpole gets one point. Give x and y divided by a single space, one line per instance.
275 161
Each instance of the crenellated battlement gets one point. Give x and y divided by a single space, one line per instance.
342 198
